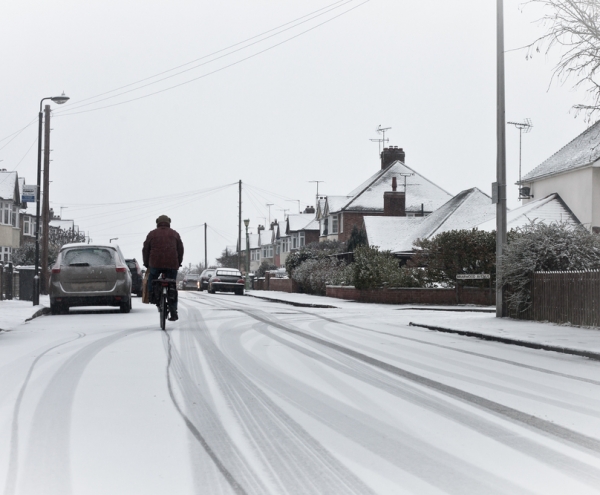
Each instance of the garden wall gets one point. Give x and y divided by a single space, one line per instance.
278 284
461 295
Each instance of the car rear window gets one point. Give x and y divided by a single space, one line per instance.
88 257
231 273
131 265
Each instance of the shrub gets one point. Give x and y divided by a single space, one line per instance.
454 252
312 251
315 274
373 269
264 267
541 247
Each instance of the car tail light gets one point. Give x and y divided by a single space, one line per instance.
241 281
55 270
121 269
215 279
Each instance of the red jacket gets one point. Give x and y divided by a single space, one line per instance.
163 248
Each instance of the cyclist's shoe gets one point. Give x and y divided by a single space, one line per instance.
173 315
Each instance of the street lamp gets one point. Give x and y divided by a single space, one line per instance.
113 239
36 279
246 223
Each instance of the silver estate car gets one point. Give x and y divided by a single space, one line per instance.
90 275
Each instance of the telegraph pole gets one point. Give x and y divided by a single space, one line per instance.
499 189
240 230
205 249
46 201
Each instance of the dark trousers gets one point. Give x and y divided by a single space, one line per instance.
169 273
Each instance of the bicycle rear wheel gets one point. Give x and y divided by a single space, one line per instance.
163 309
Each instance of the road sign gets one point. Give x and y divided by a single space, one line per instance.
29 194
473 276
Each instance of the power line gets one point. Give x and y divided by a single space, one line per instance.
216 70
79 105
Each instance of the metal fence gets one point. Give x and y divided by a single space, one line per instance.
566 297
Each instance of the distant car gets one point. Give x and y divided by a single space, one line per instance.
205 277
90 275
137 276
226 280
191 282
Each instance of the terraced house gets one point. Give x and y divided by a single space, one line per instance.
10 204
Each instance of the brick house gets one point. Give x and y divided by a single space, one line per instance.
374 197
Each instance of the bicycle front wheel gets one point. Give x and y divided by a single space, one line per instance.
163 309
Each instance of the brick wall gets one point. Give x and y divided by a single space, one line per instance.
351 219
414 296
278 284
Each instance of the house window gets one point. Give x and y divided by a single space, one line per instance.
295 240
324 227
5 254
26 225
267 251
285 244
5 209
334 224
278 247
14 216
301 238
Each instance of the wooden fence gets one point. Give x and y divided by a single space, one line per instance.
566 297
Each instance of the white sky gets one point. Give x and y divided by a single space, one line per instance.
304 110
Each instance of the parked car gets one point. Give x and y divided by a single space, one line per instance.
205 277
90 275
137 276
191 282
226 280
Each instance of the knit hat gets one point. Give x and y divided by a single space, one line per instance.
163 219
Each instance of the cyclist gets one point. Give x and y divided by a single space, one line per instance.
163 253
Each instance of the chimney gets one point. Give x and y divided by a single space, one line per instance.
394 202
260 227
309 209
390 155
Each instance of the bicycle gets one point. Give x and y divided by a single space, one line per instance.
165 292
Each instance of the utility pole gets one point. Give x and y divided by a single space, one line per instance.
46 201
205 249
499 189
240 230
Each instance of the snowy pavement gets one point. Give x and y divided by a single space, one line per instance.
476 320
246 396
14 312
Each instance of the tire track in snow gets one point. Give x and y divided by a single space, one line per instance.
294 460
13 465
569 437
174 361
454 349
400 448
47 466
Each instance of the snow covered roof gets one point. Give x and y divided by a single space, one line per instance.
580 152
253 240
300 221
266 237
337 203
419 191
397 234
9 187
313 225
546 210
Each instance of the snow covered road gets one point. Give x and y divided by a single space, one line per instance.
244 396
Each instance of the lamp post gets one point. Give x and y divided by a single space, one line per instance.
113 239
246 223
36 279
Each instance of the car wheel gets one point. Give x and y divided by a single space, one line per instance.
125 307
239 292
211 290
55 308
139 293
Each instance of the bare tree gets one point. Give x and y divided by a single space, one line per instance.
574 27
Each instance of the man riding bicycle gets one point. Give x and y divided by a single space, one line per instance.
163 253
